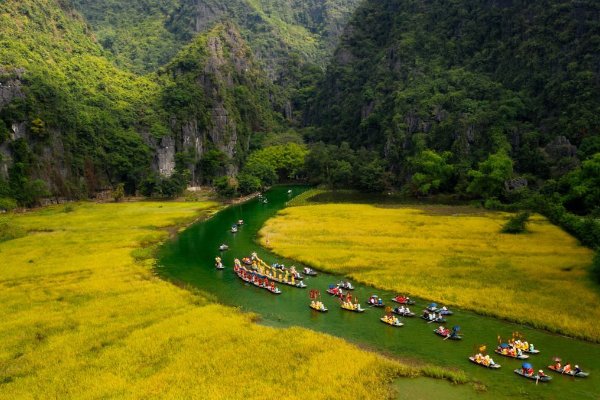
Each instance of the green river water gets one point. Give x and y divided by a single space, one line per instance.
190 258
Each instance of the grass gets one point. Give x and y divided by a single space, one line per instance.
453 255
81 318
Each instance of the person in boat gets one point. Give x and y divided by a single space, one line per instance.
519 352
380 301
530 347
444 308
567 368
557 365
406 310
528 371
577 369
541 373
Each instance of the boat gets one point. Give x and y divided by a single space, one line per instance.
352 307
309 271
403 300
433 307
403 312
335 290
265 201
375 301
345 285
393 321
544 378
290 191
247 261
234 229
491 366
448 334
531 351
518 357
219 263
240 222
223 247
437 319
580 374
273 289
318 306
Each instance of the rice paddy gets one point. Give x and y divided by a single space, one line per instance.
83 318
453 255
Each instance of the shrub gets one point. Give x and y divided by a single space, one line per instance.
119 192
9 231
516 224
7 204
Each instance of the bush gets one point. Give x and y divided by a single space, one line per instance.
119 192
7 204
226 186
516 224
248 183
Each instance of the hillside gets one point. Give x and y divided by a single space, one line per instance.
144 34
469 78
72 123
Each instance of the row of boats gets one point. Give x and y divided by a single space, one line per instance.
255 271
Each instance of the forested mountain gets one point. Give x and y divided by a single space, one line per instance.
467 79
484 99
71 123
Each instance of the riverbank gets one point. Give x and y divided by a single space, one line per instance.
84 319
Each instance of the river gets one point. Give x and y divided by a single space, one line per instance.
190 258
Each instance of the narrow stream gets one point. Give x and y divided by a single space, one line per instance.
190 258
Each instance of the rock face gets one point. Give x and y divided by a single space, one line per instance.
10 85
234 97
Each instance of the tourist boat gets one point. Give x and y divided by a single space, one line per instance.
491 366
530 351
352 307
403 313
536 377
335 290
309 272
345 285
433 307
448 334
580 374
440 320
518 357
403 300
223 247
375 301
391 321
234 229
318 306
240 222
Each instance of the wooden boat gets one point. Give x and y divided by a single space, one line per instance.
335 291
538 378
491 366
351 308
580 374
404 313
314 307
521 357
403 300
397 323
234 229
374 302
345 285
534 351
309 272
448 335
223 247
274 290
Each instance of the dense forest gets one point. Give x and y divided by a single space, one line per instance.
493 101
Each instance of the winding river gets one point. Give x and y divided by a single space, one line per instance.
190 257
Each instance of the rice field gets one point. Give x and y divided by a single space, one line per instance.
453 255
83 318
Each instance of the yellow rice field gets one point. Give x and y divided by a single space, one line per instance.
452 255
81 319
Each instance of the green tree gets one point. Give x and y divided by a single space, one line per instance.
432 173
488 180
